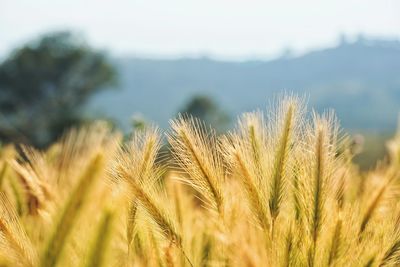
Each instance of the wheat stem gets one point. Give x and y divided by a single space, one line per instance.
101 241
63 227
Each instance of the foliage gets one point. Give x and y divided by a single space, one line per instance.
206 109
372 148
279 190
44 83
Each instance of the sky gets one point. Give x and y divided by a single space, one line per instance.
228 29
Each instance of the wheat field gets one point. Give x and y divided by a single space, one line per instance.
278 190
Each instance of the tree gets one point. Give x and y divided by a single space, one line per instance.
44 84
206 109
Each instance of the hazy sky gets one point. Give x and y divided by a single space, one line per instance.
221 28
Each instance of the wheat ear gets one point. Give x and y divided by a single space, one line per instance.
159 217
236 150
197 154
335 248
281 157
374 204
318 185
253 194
13 238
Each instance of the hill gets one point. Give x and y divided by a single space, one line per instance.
360 80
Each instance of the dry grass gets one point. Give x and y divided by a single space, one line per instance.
279 190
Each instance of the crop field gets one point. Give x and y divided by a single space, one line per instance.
280 189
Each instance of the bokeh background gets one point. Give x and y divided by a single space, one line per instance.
65 63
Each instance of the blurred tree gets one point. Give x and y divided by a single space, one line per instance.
44 84
207 110
139 122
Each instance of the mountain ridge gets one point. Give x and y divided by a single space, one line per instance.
360 80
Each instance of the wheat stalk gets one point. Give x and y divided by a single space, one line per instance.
101 240
66 221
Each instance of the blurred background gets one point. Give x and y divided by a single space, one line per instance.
132 62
